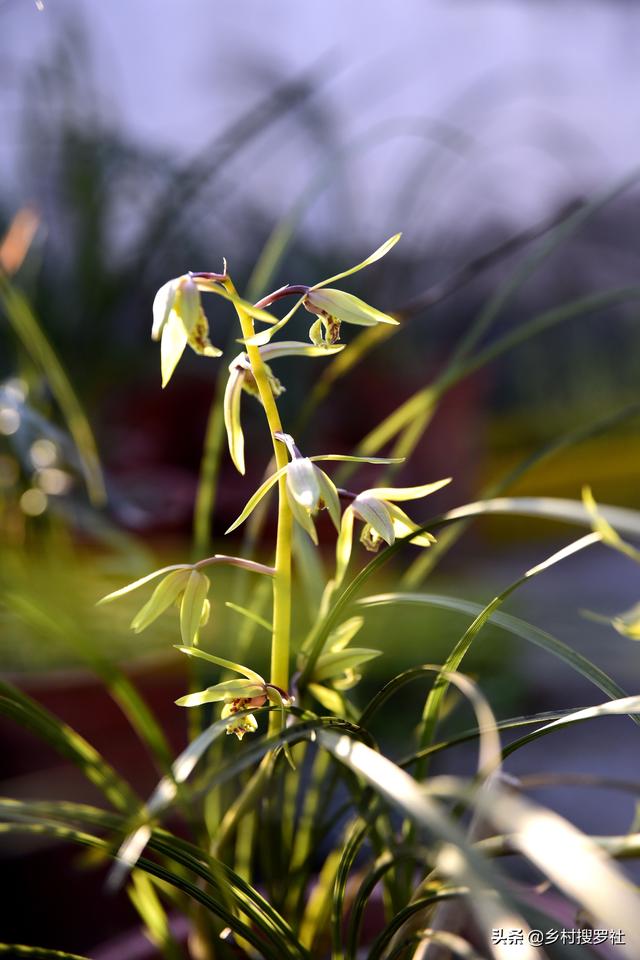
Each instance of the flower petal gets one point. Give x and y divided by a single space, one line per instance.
162 306
376 513
329 495
228 689
302 516
192 606
344 545
162 597
346 308
221 662
303 483
377 254
172 345
254 500
141 582
233 425
404 525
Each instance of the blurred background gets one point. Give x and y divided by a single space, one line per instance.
141 140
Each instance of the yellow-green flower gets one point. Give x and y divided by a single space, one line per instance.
383 520
238 695
178 320
333 307
181 584
241 379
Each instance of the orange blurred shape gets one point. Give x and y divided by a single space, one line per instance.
17 240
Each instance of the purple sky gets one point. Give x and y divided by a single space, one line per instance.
547 90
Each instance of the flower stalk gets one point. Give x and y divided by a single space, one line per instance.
280 642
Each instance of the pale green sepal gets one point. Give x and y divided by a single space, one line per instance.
342 636
303 483
382 250
162 306
233 425
337 662
172 345
376 514
344 546
329 495
192 606
292 348
253 501
404 525
345 308
396 494
347 458
141 582
329 699
227 690
302 516
221 662
162 597
189 304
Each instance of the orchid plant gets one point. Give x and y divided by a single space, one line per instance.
301 830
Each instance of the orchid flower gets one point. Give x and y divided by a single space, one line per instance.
237 695
309 489
241 379
383 520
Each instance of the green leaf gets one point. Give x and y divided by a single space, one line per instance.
221 662
514 625
141 582
36 953
192 606
381 251
30 715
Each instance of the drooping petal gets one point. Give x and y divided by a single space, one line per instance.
172 345
199 337
233 425
192 605
376 514
344 545
188 304
302 516
396 494
303 483
329 496
404 525
162 306
162 597
628 624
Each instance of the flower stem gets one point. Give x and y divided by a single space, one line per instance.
282 578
